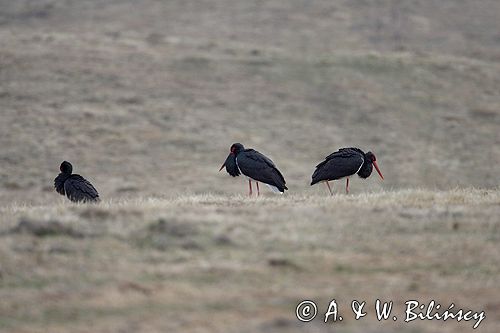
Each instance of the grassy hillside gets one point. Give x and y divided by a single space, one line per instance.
145 97
212 263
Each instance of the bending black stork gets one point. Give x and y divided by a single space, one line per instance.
256 167
344 163
75 187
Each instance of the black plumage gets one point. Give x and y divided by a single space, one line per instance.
74 186
231 166
255 166
344 163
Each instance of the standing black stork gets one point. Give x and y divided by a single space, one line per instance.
256 167
344 163
75 187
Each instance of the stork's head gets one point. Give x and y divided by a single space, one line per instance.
371 157
66 167
236 148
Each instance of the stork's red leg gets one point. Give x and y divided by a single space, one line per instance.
329 188
250 186
258 191
347 186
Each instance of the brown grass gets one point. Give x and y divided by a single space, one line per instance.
223 264
145 98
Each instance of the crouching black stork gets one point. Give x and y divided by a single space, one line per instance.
344 163
255 166
75 187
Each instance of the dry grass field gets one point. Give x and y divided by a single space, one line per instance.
145 99
212 263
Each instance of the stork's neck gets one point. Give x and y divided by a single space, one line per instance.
366 168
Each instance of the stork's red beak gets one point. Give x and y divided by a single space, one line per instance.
378 170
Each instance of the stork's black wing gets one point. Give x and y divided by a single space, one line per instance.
260 168
231 166
342 163
78 189
344 152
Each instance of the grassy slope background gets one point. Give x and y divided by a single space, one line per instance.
135 92
145 98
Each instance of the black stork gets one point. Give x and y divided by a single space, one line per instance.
75 187
255 166
344 163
